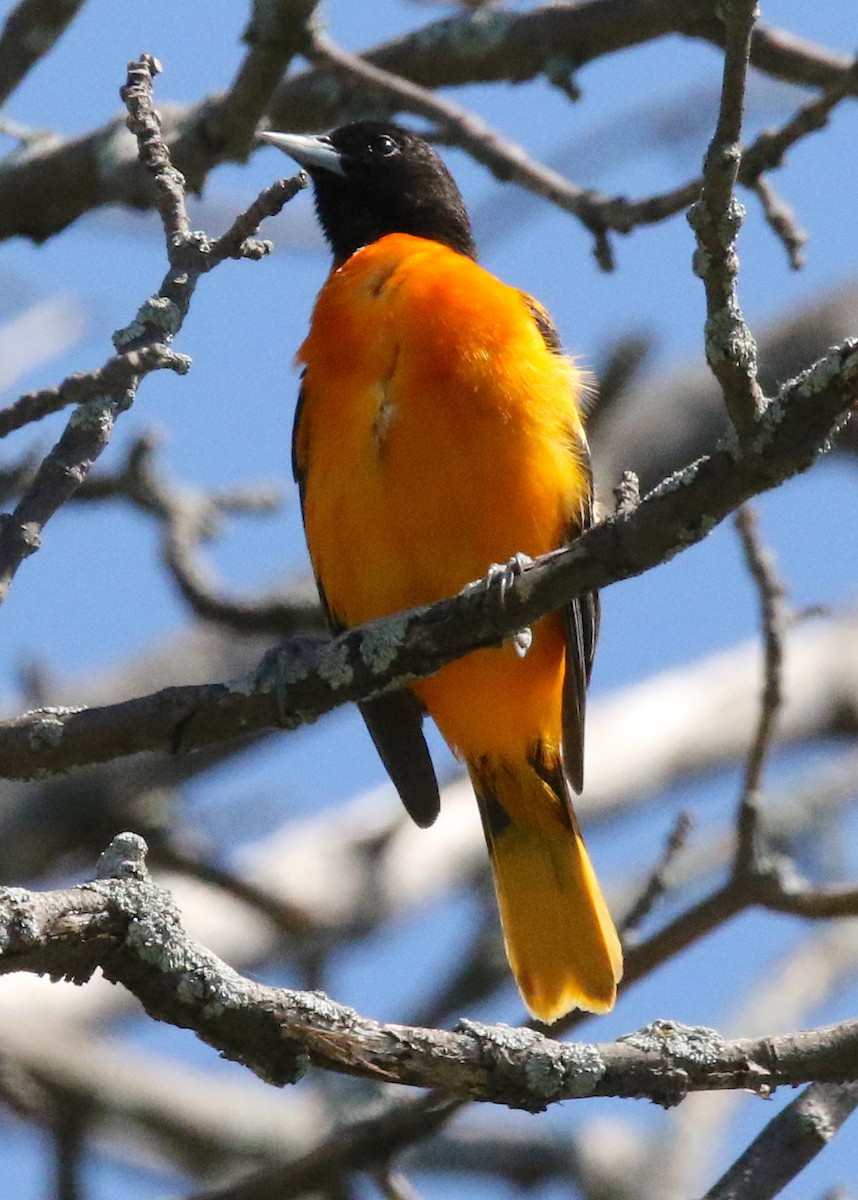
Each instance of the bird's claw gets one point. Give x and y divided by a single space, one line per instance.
501 576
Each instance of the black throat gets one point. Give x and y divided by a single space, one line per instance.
392 182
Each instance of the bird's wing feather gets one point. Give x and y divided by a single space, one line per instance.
581 616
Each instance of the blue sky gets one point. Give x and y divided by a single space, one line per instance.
96 594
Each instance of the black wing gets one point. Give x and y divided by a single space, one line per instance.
581 616
394 719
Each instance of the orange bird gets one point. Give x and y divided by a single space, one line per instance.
439 430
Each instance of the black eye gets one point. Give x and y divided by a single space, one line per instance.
383 146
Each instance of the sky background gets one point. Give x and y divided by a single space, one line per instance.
95 594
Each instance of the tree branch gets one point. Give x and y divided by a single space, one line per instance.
129 927
788 1143
304 680
158 321
749 851
118 374
715 218
50 187
30 32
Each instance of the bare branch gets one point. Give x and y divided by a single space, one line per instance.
126 925
120 372
675 416
773 619
715 218
657 884
493 45
30 32
275 34
769 148
145 123
782 221
360 1145
44 191
158 321
788 1143
190 516
302 681
505 159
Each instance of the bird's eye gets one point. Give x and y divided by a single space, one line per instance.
383 146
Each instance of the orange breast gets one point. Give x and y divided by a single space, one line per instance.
437 436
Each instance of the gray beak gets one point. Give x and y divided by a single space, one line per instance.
308 151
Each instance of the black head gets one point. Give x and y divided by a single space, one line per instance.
372 178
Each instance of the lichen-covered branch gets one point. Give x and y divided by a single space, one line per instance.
127 926
306 679
119 373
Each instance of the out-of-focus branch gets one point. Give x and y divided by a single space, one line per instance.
788 1143
783 995
749 851
676 416
657 883
200 1123
30 32
363 1144
782 221
598 212
189 517
275 34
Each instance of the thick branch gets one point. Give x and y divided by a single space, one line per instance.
305 680
129 927
44 191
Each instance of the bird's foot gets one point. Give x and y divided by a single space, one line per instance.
499 578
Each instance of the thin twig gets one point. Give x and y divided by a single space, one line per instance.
715 218
773 620
657 884
122 371
782 221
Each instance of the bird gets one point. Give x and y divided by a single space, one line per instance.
440 432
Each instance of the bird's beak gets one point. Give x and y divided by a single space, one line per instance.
314 153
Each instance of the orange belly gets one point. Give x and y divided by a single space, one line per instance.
436 439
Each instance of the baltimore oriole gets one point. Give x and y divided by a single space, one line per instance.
439 430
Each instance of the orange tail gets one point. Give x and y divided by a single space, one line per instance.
560 940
